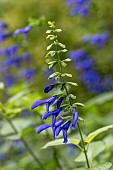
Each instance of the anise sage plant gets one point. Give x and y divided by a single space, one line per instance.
65 115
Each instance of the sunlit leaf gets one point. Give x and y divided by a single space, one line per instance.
60 142
92 135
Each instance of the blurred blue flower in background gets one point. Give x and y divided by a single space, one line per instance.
97 40
92 80
23 31
80 7
28 74
3 156
3 34
8 79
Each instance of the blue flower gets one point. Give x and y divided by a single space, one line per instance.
27 73
59 101
84 64
43 127
46 126
80 7
98 40
77 55
65 128
3 25
74 119
26 56
54 113
10 51
8 79
49 88
48 102
23 31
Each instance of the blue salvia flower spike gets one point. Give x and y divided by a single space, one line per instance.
74 119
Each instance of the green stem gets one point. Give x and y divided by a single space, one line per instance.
80 132
26 145
83 145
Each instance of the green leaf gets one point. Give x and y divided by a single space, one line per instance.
19 123
94 149
54 75
26 131
67 60
63 64
61 45
11 113
78 104
60 142
52 53
58 30
102 166
73 96
49 31
66 74
36 21
100 99
92 135
72 83
52 64
18 96
62 51
49 46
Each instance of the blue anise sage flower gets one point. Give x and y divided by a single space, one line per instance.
54 113
59 101
74 119
49 88
65 128
49 101
46 126
23 31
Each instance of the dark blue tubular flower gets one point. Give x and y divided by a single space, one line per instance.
65 128
23 31
54 113
49 88
48 102
77 55
28 74
74 119
46 126
98 40
43 127
59 101
84 64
